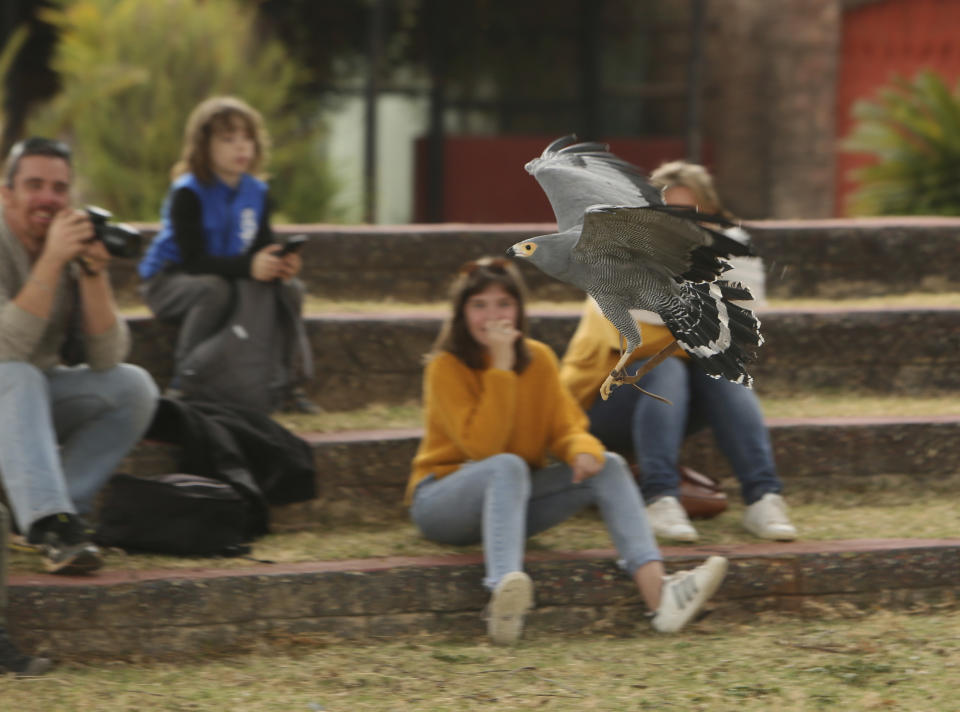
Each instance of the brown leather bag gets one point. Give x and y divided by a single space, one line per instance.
700 495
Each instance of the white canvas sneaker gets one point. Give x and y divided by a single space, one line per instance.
669 520
510 602
767 518
685 593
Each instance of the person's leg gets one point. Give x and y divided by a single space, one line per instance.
610 419
29 460
485 500
48 487
653 431
99 416
293 292
297 353
200 302
672 600
734 414
554 498
482 501
658 429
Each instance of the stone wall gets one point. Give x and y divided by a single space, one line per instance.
416 263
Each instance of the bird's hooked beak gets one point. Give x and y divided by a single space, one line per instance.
511 251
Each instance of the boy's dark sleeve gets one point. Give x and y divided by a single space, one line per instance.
264 231
186 217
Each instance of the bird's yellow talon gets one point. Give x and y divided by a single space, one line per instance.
612 381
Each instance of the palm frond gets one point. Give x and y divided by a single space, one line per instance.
911 130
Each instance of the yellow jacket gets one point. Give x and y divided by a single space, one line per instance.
474 414
595 348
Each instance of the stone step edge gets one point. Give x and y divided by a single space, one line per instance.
180 617
439 314
842 548
395 434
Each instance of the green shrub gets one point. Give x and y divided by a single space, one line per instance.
7 53
912 130
132 71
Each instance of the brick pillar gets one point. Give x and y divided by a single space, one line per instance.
772 69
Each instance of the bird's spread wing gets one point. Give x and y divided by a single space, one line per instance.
658 238
577 175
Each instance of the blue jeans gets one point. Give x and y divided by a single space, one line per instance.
654 431
500 502
63 431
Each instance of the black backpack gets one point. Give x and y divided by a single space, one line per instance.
180 514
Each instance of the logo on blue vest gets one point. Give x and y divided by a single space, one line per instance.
248 226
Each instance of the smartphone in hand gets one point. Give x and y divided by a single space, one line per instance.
291 244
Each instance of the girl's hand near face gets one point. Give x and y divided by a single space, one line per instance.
501 336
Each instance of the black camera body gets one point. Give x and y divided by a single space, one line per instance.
120 240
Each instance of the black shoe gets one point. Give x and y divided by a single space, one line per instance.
66 545
12 660
297 402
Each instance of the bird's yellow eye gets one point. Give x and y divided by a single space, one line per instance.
528 248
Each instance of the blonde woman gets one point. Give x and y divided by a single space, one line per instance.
654 431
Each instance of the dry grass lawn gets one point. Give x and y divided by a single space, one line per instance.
884 661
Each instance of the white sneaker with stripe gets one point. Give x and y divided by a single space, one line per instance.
685 593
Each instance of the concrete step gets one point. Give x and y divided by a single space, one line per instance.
378 358
827 258
174 613
361 475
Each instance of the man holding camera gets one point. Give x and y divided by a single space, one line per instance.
63 428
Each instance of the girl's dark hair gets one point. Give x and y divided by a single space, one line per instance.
219 113
473 278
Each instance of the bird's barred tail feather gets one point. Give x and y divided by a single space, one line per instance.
720 336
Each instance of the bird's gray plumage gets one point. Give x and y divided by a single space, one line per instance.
560 171
618 242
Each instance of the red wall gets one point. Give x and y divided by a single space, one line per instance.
883 39
485 181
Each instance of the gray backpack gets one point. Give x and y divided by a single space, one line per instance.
248 362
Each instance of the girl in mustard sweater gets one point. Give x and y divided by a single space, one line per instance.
495 413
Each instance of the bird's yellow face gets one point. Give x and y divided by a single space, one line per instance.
524 249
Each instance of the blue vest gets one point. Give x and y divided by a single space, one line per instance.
231 217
